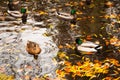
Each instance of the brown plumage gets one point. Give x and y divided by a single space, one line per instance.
33 49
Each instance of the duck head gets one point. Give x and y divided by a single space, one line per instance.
79 41
73 11
23 10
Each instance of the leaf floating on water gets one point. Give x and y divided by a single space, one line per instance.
116 72
100 35
78 13
51 26
95 35
5 77
46 34
67 63
68 46
102 27
78 63
60 73
43 13
60 46
79 19
107 78
62 55
92 5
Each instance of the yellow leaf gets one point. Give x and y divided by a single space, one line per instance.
95 35
5 77
42 13
62 55
60 73
78 19
89 74
116 72
78 13
92 5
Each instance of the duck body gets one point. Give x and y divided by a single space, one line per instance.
88 47
65 15
16 14
33 49
13 9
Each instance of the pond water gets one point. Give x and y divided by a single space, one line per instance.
49 31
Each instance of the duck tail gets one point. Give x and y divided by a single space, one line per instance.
98 47
35 57
58 13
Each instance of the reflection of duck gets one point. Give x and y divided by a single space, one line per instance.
64 15
87 47
33 49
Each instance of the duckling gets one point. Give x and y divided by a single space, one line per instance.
33 49
87 46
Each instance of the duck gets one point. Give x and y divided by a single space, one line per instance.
12 9
33 49
15 14
64 15
87 47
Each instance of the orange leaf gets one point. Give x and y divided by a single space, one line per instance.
78 63
108 78
88 37
67 69
67 63
60 46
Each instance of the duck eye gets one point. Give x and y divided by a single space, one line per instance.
34 45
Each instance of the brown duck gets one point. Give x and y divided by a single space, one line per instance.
33 49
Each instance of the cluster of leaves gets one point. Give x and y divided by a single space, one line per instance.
86 68
6 77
